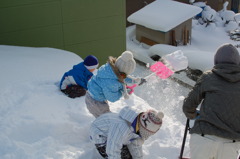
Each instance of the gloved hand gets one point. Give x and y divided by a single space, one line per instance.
128 91
140 81
143 80
197 116
125 92
136 80
126 96
192 121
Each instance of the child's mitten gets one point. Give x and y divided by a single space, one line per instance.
125 92
126 96
143 80
137 80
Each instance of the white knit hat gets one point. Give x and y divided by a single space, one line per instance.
149 123
125 63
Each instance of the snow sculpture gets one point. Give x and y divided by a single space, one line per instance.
208 14
176 61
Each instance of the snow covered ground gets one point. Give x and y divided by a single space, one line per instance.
37 121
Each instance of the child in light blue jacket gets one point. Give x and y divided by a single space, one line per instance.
109 84
74 82
122 135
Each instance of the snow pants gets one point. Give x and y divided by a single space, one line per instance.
125 154
96 108
213 147
74 91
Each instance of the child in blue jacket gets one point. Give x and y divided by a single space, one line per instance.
74 82
109 84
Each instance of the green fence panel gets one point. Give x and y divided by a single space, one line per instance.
81 26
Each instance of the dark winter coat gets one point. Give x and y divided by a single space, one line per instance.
219 92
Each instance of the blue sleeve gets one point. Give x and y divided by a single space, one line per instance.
83 80
113 91
128 80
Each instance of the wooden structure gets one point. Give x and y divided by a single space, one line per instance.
177 31
180 35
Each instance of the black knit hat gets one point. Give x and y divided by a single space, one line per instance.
91 62
227 53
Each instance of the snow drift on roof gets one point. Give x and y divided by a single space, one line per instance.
163 15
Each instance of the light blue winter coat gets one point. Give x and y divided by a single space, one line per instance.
106 85
115 130
80 74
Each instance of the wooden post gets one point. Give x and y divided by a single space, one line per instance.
173 38
185 36
235 6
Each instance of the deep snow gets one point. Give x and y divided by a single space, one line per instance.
37 121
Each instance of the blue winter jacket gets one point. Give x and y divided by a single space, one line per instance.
115 130
105 85
80 74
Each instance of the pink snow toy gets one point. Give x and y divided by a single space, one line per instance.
131 88
161 71
175 61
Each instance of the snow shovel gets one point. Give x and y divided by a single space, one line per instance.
159 69
187 128
175 61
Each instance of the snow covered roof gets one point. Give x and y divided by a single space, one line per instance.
163 15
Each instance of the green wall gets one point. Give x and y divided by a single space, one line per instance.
81 26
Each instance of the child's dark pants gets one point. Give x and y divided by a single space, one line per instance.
125 154
74 91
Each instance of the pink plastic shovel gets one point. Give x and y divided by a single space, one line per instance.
159 69
131 88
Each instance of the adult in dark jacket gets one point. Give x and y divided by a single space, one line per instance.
216 131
